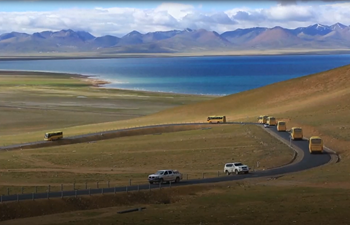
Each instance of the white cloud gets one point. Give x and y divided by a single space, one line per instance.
119 21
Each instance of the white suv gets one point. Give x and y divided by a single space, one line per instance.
235 167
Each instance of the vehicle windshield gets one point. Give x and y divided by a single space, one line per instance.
282 123
316 141
297 130
160 172
238 164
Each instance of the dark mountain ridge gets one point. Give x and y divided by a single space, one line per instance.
315 36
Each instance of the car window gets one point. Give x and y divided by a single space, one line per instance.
229 165
166 173
238 164
170 172
160 172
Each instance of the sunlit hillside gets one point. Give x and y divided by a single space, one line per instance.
320 102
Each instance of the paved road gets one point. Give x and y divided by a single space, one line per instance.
307 162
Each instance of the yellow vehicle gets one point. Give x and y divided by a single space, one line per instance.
296 133
315 144
281 126
262 119
216 119
52 136
271 121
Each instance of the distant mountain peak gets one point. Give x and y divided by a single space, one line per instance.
337 26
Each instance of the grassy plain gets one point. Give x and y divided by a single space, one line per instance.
319 103
34 103
118 160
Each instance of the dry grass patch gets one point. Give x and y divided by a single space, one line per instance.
241 202
193 152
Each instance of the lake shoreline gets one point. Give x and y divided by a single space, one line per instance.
82 55
93 81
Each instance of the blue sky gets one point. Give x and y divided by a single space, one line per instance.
121 17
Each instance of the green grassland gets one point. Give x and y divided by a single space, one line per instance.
318 103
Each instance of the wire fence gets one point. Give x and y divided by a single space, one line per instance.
19 193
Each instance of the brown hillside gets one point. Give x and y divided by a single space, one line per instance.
322 89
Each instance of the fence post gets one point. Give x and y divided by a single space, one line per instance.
62 194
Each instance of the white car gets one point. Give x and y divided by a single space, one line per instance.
266 125
235 167
165 176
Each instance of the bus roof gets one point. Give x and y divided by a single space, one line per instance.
315 137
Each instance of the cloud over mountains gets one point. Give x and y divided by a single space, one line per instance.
118 21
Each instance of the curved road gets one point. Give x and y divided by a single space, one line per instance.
308 161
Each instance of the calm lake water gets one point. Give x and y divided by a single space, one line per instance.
222 75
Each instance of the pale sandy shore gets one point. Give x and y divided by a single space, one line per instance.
94 55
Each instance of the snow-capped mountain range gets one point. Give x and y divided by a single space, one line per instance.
317 36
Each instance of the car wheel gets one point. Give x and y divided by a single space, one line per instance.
227 173
177 180
236 171
161 181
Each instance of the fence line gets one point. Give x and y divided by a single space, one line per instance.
46 192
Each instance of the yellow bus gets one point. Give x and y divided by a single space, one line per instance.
315 144
262 119
281 126
216 119
296 133
271 121
52 136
